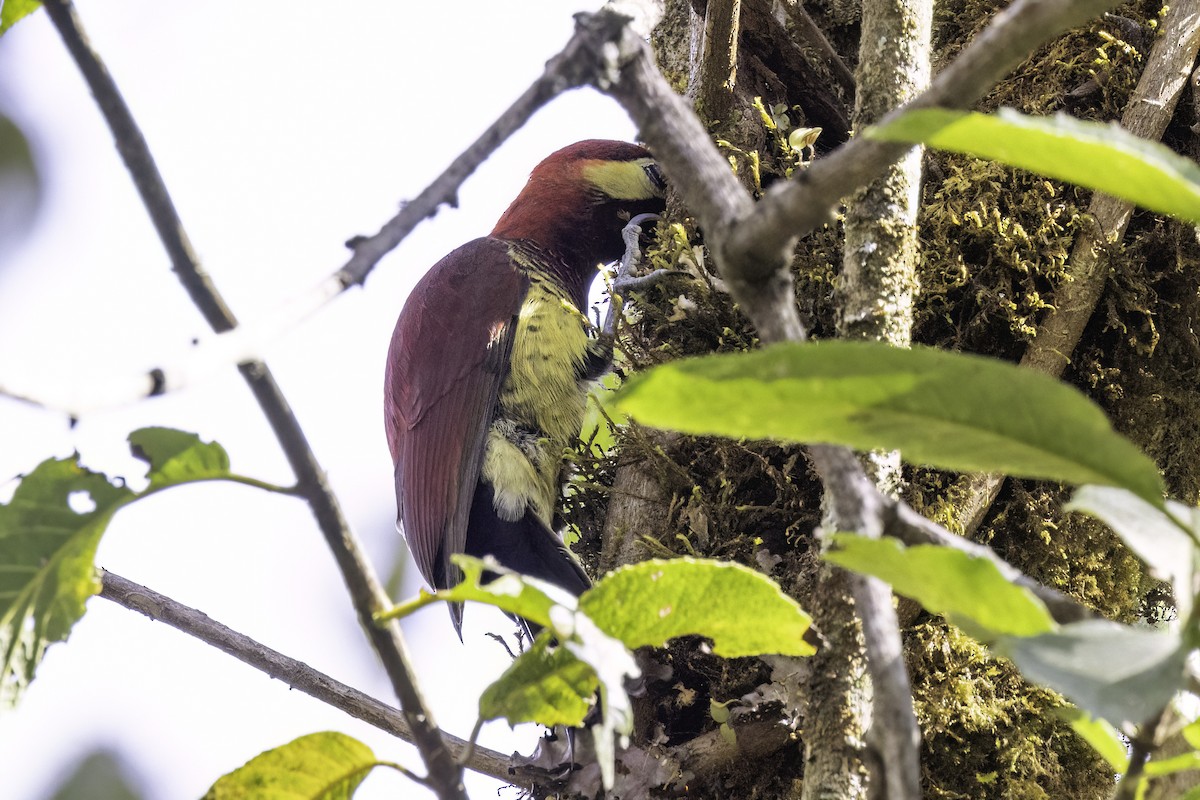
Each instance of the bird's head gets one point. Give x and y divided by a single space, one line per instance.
579 199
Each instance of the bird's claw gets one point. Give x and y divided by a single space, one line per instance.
621 280
633 283
631 235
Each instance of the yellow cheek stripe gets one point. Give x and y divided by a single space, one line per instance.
621 180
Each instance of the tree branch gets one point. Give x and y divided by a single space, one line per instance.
365 589
750 243
875 300
806 31
1141 747
718 65
855 504
295 674
243 343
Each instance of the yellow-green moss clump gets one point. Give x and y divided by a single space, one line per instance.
987 735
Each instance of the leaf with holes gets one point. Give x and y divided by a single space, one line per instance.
48 537
178 456
49 532
547 684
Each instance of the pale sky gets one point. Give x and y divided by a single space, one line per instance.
282 129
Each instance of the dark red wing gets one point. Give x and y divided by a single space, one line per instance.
448 358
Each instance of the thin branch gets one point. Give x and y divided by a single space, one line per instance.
699 172
1141 747
365 589
1150 108
855 504
574 66
295 674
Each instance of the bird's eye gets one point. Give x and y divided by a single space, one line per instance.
656 177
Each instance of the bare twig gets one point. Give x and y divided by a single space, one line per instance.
1151 106
1141 747
294 673
367 593
574 66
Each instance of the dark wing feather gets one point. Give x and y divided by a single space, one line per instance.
448 358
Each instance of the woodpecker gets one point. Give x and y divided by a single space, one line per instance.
490 362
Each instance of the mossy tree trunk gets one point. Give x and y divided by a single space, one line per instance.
995 249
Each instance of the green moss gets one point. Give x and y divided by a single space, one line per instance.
988 735
995 242
1141 358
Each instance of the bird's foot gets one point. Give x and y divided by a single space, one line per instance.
623 280
631 235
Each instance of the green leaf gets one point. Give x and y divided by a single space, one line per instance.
1102 736
47 549
12 11
98 775
1115 672
547 684
1105 157
948 410
49 532
1155 537
178 457
554 685
744 612
320 766
946 581
1191 734
21 186
515 594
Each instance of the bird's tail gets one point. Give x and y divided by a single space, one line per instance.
526 545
